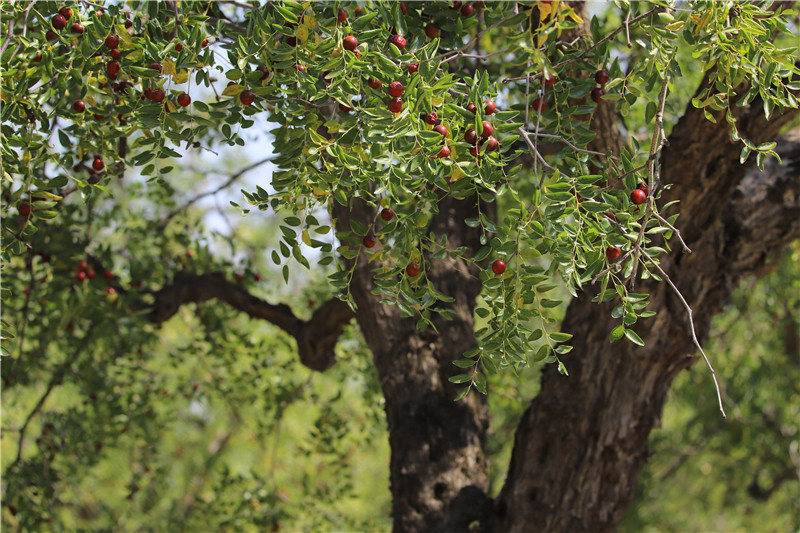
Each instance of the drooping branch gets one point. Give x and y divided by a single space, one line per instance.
316 337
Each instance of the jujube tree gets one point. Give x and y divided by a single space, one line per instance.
461 169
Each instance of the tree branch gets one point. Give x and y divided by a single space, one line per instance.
315 338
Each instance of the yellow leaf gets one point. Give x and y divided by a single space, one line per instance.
309 21
181 77
168 67
124 36
436 102
574 16
136 54
302 33
306 238
457 174
318 192
233 90
545 10
90 99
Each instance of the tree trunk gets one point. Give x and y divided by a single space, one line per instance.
583 440
438 467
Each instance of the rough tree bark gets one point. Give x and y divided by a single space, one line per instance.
438 468
583 440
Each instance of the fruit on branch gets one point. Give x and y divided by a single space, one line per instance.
115 53
112 42
341 15
432 30
612 252
184 99
204 43
301 68
80 276
472 108
368 241
412 270
65 12
431 118
83 266
601 77
359 11
444 152
155 66
387 214
247 97
488 130
456 5
644 188
467 10
478 4
396 89
108 275
398 40
499 266
257 277
78 106
470 137
157 95
441 130
50 35
395 105
413 67
597 94
539 105
91 274
350 43
24 208
112 69
98 164
403 8
489 107
549 81
491 145
638 196
77 28
475 150
58 21
375 84
345 108
179 47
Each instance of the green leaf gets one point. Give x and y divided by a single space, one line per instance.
460 378
633 337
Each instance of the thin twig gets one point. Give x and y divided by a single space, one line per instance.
593 47
538 156
607 38
674 230
477 36
656 144
54 381
691 327
565 141
18 236
474 56
628 28
164 221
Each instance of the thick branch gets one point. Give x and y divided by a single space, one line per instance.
733 221
316 338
